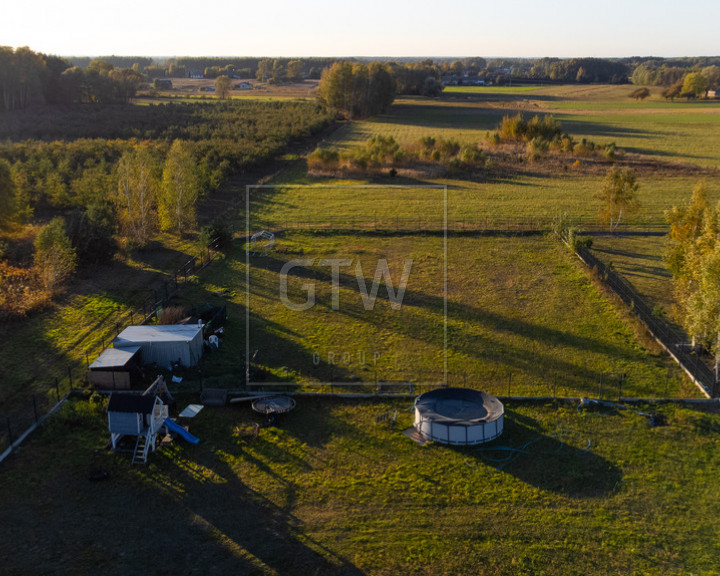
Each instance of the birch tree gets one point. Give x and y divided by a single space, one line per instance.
179 190
137 194
618 197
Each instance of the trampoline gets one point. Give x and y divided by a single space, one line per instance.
273 405
459 416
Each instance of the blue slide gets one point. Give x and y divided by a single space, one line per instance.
180 431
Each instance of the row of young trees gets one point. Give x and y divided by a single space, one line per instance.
694 260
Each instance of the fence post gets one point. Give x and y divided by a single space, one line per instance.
10 436
57 388
35 408
509 382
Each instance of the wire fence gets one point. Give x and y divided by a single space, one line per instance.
64 378
419 223
674 342
15 425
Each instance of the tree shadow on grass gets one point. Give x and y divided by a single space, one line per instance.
563 463
259 535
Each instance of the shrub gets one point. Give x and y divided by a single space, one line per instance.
323 158
171 315
220 230
20 291
471 156
55 258
536 147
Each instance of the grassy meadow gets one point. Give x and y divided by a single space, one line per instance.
639 260
522 318
330 491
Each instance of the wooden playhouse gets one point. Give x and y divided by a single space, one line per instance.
137 415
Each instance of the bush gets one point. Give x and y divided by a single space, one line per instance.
516 128
171 315
536 148
323 158
220 230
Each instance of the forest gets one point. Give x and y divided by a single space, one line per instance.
95 175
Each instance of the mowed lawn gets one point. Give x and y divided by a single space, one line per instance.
523 318
329 491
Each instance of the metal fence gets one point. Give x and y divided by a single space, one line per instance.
674 342
15 424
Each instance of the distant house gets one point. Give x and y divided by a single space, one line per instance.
196 74
162 84
712 93
243 86
207 89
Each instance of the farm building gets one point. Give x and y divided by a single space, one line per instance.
116 368
243 86
162 84
138 415
164 344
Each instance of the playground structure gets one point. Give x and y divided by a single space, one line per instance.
261 243
138 415
272 406
142 416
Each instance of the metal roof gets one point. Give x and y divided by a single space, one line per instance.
115 357
159 333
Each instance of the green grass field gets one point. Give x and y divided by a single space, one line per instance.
521 313
330 491
327 489
533 200
676 131
639 260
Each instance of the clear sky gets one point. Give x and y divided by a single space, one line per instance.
531 28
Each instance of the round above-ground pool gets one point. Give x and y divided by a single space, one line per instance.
458 416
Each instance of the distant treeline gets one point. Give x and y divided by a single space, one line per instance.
28 77
358 90
92 80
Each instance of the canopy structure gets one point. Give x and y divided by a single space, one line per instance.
164 344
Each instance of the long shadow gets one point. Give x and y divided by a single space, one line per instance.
495 350
270 535
456 310
637 269
557 463
478 96
604 130
272 344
